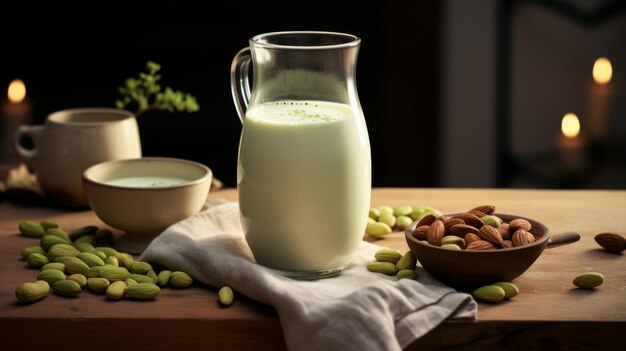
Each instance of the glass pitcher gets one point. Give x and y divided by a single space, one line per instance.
304 167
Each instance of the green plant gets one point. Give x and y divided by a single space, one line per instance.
147 94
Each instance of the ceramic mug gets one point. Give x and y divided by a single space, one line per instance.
70 141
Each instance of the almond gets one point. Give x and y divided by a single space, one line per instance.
470 219
611 242
504 231
435 233
480 245
443 219
486 209
522 237
471 237
518 224
451 222
427 220
420 232
477 213
490 234
462 229
506 244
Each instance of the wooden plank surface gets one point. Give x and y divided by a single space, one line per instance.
546 290
547 311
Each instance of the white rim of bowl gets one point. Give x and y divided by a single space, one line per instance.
207 173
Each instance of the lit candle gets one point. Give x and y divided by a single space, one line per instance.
600 100
571 145
15 112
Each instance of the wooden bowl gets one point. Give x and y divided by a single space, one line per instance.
469 269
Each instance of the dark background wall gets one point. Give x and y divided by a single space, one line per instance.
76 54
511 69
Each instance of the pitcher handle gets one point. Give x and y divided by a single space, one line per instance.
240 81
32 132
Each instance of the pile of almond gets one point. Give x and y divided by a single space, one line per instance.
476 229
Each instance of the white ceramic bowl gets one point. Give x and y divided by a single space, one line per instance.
144 196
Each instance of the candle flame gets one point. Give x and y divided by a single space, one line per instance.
570 126
17 91
602 70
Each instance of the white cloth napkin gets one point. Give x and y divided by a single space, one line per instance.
356 310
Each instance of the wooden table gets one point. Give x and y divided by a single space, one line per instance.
548 312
